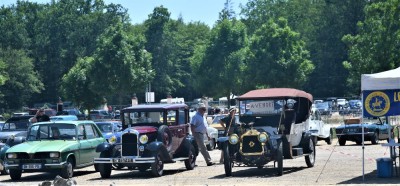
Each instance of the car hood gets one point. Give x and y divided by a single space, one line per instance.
107 135
44 146
217 126
142 129
5 135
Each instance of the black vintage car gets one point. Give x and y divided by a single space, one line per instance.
152 136
275 128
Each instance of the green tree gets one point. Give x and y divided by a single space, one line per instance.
277 57
22 81
376 47
217 66
121 65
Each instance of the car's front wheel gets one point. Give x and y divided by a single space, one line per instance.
279 160
157 168
342 141
104 168
68 170
310 159
328 140
228 164
375 138
15 174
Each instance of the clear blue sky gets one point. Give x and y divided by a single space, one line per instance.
206 11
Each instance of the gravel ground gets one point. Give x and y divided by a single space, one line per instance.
334 165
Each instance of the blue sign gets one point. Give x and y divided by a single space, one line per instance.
381 103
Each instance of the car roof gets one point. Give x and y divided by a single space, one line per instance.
77 122
156 107
19 118
275 93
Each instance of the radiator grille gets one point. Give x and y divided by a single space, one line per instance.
251 144
129 144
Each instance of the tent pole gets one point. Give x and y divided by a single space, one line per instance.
362 132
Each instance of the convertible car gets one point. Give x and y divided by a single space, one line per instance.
374 131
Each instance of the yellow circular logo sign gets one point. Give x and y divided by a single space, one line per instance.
377 103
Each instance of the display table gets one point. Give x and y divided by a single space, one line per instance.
392 144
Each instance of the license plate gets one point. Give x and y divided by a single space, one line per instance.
32 166
123 160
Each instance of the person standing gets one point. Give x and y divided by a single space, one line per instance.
228 123
40 116
198 128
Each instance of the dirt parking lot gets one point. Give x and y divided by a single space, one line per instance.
334 165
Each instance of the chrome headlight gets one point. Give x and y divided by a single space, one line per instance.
12 156
54 155
233 139
263 137
112 140
143 139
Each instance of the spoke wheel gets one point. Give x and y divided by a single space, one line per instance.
310 159
279 160
157 168
228 164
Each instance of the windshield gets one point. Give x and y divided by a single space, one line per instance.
219 117
54 131
16 126
323 105
105 127
147 117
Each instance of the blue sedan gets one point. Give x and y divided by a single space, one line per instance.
352 128
109 128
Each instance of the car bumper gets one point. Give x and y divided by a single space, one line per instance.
44 167
126 160
355 136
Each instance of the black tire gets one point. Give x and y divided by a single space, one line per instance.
143 167
191 162
279 160
68 170
157 168
15 174
375 138
342 141
310 159
211 145
96 167
228 164
5 171
329 139
104 168
165 136
358 142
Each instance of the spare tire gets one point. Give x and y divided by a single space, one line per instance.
164 135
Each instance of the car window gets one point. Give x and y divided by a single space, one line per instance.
95 132
181 119
62 131
81 132
89 132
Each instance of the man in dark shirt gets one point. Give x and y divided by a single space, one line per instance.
40 116
228 123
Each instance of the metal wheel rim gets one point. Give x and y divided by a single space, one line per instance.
69 169
160 165
311 156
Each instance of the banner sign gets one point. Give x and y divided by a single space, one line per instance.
381 103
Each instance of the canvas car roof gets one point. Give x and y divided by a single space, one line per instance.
275 93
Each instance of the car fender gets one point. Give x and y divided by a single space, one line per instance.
221 141
104 147
3 151
158 146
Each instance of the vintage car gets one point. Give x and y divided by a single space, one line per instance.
274 126
318 128
374 130
109 127
59 146
152 136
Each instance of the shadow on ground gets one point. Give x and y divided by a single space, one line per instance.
255 172
44 176
372 178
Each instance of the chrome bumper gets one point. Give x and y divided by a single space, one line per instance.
125 160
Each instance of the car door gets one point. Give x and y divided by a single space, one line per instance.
85 155
93 139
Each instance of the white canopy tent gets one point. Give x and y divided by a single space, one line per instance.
386 80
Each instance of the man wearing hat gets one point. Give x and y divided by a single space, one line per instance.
228 123
199 128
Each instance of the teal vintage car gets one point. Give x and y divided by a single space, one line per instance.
60 146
